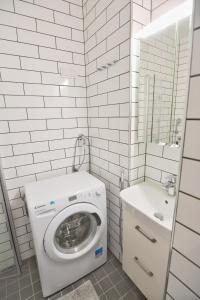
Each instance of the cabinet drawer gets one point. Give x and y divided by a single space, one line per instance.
151 285
145 252
145 238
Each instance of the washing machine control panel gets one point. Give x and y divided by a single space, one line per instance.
51 206
89 195
85 196
72 198
45 208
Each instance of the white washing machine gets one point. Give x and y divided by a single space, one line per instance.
69 225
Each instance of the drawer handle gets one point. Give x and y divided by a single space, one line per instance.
149 273
138 228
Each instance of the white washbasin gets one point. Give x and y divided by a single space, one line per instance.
153 201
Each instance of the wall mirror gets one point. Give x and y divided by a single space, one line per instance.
163 83
160 68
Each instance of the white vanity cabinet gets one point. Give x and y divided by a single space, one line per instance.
145 252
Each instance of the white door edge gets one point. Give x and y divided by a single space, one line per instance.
49 244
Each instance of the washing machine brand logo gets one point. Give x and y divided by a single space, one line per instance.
39 206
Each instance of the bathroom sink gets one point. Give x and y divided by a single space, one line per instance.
151 200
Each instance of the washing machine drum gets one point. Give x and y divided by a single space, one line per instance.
73 232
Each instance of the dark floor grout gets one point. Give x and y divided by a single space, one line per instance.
109 281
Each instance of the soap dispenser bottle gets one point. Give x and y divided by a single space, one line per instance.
171 185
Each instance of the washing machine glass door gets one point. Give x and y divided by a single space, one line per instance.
73 232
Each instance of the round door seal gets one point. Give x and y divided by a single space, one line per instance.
49 238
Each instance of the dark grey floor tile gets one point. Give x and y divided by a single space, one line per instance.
2 292
105 284
78 283
14 296
11 281
108 267
33 267
127 279
116 263
36 287
110 256
122 287
115 277
133 287
103 297
67 290
90 277
12 288
38 296
109 281
3 283
27 292
137 292
99 273
98 289
125 276
112 294
31 260
130 296
25 281
25 268
55 296
35 276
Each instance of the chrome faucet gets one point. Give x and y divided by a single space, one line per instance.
170 185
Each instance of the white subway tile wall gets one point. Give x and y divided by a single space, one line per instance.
161 161
41 112
184 278
160 7
107 38
141 16
6 251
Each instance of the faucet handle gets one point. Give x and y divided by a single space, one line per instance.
171 178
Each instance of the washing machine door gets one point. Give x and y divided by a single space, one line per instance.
73 232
